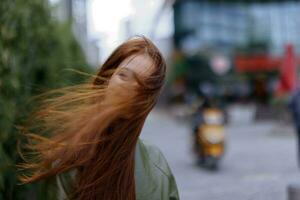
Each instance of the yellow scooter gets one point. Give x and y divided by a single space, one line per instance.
209 137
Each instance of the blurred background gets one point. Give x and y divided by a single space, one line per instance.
222 121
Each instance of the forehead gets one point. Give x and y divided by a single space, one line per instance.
141 64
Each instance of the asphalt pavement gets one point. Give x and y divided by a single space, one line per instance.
259 163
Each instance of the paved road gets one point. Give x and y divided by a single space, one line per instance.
258 165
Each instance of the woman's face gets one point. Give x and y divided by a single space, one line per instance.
137 65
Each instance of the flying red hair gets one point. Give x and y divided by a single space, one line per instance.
76 128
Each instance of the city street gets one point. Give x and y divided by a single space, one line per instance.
259 163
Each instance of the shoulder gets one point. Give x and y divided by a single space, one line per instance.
161 170
156 157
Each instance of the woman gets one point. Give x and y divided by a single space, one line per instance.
93 146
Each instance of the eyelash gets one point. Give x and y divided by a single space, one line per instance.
122 75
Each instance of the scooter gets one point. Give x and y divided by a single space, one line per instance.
209 135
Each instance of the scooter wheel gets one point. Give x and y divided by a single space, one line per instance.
212 163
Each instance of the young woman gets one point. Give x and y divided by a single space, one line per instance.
91 143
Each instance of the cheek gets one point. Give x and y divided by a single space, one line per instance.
113 82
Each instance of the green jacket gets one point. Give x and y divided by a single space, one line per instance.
153 177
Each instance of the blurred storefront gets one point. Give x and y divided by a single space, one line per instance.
239 47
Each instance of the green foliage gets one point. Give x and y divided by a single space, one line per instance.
35 50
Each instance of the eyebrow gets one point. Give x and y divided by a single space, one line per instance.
128 62
127 69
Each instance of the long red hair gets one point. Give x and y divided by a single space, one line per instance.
75 128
